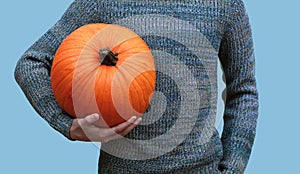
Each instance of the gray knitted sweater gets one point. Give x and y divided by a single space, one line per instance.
186 38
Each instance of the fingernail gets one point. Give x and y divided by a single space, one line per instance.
132 119
139 120
96 116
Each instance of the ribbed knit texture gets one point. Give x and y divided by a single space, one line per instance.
169 28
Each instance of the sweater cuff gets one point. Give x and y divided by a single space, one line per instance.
228 172
236 149
234 162
63 124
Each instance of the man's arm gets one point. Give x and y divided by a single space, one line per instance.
241 107
32 71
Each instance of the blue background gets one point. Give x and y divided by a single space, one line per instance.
29 145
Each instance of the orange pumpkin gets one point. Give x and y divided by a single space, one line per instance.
105 69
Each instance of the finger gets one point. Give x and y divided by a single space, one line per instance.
130 127
126 130
113 133
91 118
121 127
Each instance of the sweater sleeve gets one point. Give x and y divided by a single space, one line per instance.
241 105
32 71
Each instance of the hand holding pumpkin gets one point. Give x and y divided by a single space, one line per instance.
84 129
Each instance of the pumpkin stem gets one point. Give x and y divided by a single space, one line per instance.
107 57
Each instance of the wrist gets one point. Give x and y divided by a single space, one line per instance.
73 128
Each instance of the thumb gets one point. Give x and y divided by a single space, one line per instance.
92 118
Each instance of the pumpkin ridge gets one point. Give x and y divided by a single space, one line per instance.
120 77
147 86
70 60
131 50
99 87
104 77
122 42
62 79
65 101
133 75
139 93
79 90
142 79
121 95
112 32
